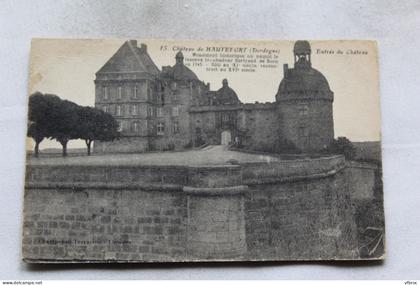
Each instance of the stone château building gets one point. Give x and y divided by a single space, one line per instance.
173 109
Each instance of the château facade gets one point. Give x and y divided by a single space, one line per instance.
173 109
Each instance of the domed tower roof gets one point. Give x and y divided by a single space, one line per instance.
226 95
302 47
179 71
303 81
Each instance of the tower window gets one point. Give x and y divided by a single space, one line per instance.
135 90
120 126
303 132
175 111
134 110
105 92
160 129
225 118
118 110
175 127
135 127
303 110
148 94
119 92
159 112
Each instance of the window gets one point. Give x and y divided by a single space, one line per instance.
135 91
135 127
105 92
175 111
134 110
149 111
159 111
303 132
174 96
120 126
303 110
160 129
118 110
106 109
173 86
119 92
225 118
175 127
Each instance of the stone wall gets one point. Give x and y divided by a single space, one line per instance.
124 144
260 126
307 124
177 213
104 224
361 177
294 221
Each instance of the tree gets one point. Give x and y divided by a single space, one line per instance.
64 122
38 133
39 117
343 145
95 124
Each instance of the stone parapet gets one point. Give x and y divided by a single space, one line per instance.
128 213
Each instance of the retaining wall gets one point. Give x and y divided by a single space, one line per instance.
285 210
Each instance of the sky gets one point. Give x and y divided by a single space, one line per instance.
67 67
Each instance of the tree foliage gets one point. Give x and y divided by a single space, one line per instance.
343 145
62 120
94 124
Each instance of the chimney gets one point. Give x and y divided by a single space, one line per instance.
143 48
133 43
285 70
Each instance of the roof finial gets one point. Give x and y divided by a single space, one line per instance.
225 83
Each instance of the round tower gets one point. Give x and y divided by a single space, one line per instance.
305 105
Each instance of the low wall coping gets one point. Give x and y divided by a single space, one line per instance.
104 186
217 191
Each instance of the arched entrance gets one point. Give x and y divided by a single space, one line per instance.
226 138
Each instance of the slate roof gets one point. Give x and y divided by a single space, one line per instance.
130 58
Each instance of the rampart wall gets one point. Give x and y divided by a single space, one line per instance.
177 213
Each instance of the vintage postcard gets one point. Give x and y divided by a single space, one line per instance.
184 151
